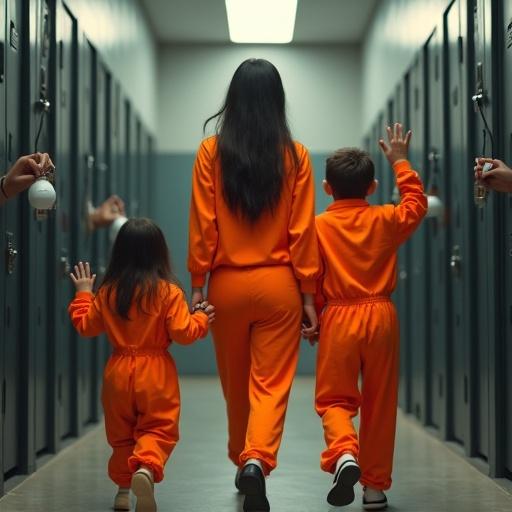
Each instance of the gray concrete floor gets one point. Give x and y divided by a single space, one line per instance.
428 476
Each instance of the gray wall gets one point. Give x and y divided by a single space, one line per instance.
397 30
121 33
170 206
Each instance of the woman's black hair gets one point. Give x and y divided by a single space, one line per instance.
138 263
253 138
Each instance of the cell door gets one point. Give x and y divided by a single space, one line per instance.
437 235
66 163
13 398
101 128
418 275
401 295
39 357
2 231
82 233
507 77
460 226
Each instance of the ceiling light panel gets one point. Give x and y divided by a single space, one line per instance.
261 21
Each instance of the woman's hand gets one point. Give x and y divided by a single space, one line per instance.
24 172
208 309
82 278
499 177
197 298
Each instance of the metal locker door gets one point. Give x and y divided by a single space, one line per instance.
100 237
140 177
377 197
437 235
82 236
37 134
12 396
131 161
460 225
387 175
117 141
66 164
507 157
2 232
485 231
383 165
418 277
401 295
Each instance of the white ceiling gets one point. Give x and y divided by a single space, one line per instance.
204 21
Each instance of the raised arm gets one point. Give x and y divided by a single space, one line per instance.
183 326
413 202
203 234
301 228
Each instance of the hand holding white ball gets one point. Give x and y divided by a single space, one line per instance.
41 194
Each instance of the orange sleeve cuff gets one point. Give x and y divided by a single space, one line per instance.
84 294
308 285
402 165
198 280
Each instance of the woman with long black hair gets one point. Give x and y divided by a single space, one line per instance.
252 230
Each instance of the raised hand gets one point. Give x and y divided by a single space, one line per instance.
82 278
398 148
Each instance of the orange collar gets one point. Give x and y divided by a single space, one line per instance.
347 203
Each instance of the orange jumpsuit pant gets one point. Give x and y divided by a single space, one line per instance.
359 337
141 400
256 334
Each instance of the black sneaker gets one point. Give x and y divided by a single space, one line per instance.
251 482
237 480
342 490
374 499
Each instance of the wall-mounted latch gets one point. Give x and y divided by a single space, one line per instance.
65 267
456 261
12 253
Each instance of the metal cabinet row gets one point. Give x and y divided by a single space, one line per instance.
454 291
56 96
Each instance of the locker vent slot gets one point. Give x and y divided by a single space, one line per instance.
14 37
2 51
460 42
509 35
440 386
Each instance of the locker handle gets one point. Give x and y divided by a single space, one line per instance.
456 261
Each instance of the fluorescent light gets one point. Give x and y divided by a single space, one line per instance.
261 21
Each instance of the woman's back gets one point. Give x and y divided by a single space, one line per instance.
221 237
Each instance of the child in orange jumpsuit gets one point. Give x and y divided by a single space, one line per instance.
141 309
359 326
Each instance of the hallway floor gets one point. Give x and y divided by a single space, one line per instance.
428 476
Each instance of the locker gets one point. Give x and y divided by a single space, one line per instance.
66 163
13 406
141 178
418 277
82 235
385 173
374 152
38 354
401 295
506 48
130 158
437 235
2 229
485 230
114 143
460 220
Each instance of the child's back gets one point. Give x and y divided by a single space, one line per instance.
359 333
359 242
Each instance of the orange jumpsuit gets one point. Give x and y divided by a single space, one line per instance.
359 327
257 273
140 392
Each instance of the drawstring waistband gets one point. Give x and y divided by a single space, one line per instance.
137 351
359 300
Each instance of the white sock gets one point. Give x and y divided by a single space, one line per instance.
147 470
256 462
343 458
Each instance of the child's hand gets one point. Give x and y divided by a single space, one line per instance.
82 278
398 144
197 298
310 323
